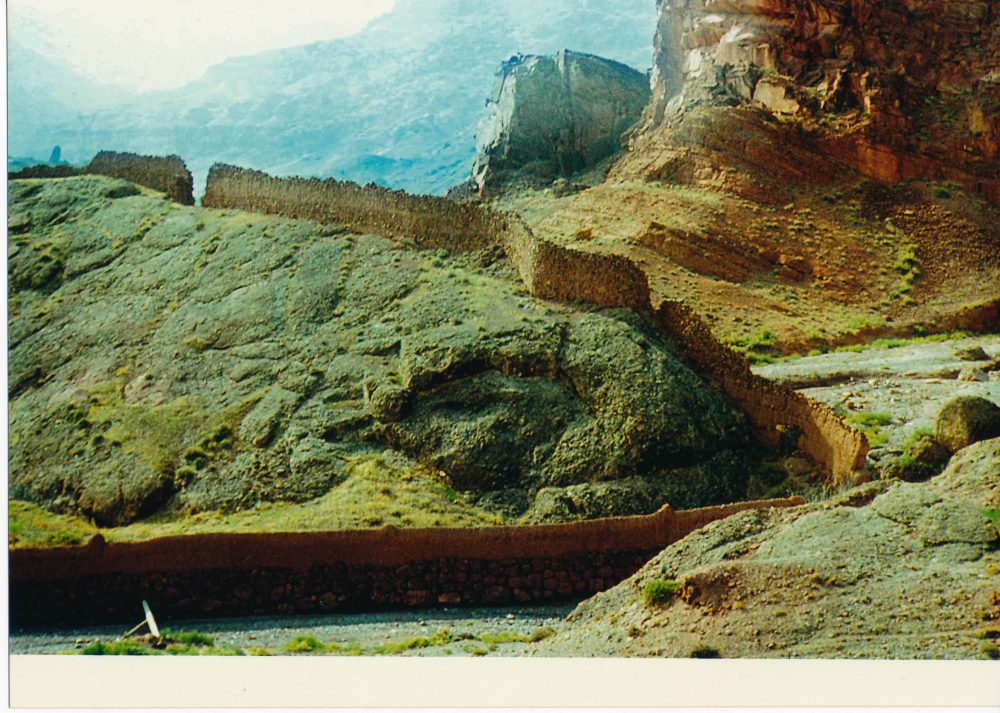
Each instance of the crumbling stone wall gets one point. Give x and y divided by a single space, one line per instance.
44 171
429 221
166 174
259 573
778 412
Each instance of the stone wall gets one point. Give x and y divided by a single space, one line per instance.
261 573
776 411
166 174
429 221
45 171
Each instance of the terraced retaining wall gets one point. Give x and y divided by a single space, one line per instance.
260 573
166 174
552 271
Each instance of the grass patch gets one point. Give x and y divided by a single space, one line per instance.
120 647
505 637
993 515
870 424
189 638
31 525
305 644
155 435
442 637
374 493
659 592
758 348
541 634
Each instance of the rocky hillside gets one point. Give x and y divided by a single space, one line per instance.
396 104
808 173
898 89
887 570
171 360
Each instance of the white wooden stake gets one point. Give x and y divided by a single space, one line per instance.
153 628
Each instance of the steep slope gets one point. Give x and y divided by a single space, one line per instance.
396 104
174 360
900 570
809 172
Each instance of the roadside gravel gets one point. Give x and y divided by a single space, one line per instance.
366 630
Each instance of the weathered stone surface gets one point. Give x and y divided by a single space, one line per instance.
966 420
196 360
553 116
902 89
910 574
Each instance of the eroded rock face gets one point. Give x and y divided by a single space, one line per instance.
904 88
885 570
170 357
554 116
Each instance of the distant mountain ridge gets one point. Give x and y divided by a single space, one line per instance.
396 104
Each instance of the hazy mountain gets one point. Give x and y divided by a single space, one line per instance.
396 103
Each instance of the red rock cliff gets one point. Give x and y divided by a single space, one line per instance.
894 88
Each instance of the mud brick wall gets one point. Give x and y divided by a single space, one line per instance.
166 174
260 573
429 221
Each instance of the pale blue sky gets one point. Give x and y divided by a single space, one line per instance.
159 44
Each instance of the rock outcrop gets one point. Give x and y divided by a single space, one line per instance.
188 359
896 89
900 570
551 117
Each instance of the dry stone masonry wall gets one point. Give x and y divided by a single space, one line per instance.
431 222
286 573
166 174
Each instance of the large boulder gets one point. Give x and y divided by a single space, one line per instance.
552 116
965 421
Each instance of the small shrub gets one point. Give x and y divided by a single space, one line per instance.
302 644
660 591
123 647
989 650
505 637
541 633
706 652
941 192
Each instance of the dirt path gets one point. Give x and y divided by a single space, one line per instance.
488 630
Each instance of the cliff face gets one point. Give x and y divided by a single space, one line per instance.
553 116
895 88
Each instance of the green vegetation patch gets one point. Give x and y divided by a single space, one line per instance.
154 434
870 424
759 347
659 592
375 493
30 525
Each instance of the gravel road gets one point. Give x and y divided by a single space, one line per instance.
366 630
